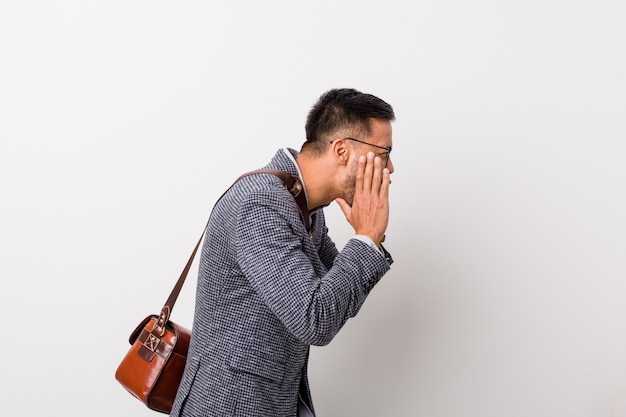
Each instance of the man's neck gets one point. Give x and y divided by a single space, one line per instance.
316 177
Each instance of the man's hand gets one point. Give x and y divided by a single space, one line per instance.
369 213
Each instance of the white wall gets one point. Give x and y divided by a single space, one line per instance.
121 122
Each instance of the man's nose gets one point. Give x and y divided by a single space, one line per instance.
390 165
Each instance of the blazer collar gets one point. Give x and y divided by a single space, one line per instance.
285 160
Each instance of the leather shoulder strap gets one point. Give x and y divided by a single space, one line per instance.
291 182
294 186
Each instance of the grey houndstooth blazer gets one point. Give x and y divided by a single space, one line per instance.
267 290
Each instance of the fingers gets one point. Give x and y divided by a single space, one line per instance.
369 212
384 186
345 207
373 176
368 174
377 176
360 174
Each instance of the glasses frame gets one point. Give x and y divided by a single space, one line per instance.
387 148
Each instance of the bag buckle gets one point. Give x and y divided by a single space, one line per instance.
160 323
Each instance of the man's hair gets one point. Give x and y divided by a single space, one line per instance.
342 111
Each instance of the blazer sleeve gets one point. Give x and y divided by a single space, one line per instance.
327 251
269 252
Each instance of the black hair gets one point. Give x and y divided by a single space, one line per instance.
343 109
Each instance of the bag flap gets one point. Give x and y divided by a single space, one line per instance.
135 334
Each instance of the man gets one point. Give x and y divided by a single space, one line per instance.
268 288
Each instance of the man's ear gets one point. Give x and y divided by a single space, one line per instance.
340 150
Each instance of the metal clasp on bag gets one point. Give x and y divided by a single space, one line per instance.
160 323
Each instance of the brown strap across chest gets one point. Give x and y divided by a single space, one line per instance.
293 185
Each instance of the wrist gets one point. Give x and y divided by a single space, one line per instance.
369 241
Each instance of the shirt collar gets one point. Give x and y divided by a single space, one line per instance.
292 155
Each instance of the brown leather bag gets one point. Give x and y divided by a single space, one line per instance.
153 367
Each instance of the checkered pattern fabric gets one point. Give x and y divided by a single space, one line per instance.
267 290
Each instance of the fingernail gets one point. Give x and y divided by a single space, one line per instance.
361 159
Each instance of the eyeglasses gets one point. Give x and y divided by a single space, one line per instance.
384 157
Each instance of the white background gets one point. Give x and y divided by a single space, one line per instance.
121 122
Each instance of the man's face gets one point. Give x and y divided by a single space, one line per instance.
380 137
